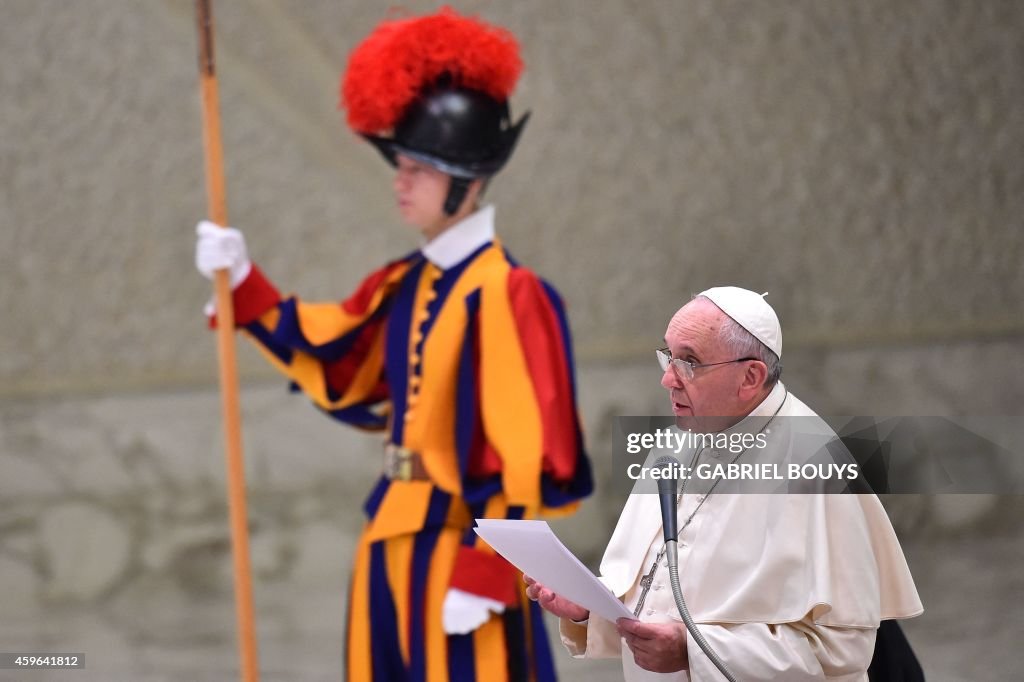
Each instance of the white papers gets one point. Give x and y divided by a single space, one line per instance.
534 549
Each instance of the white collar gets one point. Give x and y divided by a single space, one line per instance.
767 408
772 402
461 239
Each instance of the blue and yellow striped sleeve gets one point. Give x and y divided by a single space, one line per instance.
528 457
332 352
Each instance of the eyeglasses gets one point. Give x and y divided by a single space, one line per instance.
684 369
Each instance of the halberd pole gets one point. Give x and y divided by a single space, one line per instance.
217 207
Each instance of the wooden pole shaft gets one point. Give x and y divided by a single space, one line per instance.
216 194
217 208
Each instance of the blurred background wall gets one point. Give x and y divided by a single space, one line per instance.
860 161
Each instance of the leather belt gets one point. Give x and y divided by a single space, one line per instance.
402 464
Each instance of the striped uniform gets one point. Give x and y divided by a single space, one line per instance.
470 366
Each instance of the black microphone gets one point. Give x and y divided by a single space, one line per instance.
667 494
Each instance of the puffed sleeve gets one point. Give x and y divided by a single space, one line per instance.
332 352
524 455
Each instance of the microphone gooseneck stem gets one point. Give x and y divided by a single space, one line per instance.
667 484
672 555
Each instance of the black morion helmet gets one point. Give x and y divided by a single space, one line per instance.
435 88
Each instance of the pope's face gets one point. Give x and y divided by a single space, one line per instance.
420 191
710 401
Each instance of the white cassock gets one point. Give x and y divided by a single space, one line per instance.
783 586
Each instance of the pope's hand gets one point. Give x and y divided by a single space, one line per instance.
658 647
463 612
219 248
549 601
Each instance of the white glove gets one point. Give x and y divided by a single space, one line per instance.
218 248
463 612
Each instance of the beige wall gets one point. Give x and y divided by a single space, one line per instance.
858 160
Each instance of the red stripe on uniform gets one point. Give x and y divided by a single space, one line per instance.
340 374
485 575
544 349
359 302
253 297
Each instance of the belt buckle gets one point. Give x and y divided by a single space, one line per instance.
398 462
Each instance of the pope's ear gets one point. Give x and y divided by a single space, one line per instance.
753 378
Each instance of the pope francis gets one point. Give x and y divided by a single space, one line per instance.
781 586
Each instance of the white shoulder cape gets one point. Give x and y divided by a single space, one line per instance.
774 558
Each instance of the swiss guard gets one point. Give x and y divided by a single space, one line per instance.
457 353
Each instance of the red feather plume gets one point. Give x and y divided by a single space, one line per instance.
390 68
